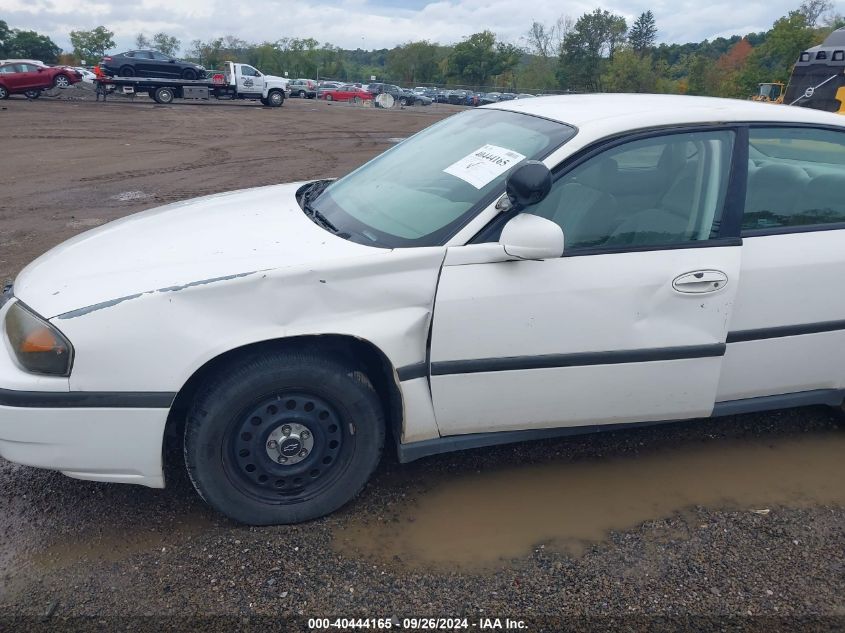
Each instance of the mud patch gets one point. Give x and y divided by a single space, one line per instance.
111 546
85 223
484 520
129 196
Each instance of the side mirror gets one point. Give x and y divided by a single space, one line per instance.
531 237
528 184
40 69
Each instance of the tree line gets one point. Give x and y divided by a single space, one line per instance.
597 52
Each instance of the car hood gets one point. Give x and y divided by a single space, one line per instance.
182 244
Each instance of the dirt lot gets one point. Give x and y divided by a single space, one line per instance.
735 524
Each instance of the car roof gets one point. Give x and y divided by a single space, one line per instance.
621 112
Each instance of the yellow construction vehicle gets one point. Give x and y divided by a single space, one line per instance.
770 92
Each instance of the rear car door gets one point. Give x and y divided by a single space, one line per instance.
629 325
788 325
13 78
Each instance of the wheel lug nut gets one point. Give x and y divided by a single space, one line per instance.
303 453
305 435
282 459
272 444
286 430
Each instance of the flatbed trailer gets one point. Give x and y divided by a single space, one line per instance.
237 81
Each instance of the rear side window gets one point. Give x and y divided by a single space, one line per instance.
796 178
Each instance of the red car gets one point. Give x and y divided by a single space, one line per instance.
30 79
347 92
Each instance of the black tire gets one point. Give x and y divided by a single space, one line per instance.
265 102
275 98
301 94
329 98
4 93
189 74
403 101
164 95
229 446
126 71
32 94
61 81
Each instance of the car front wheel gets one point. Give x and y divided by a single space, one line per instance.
283 438
4 94
189 74
61 81
32 94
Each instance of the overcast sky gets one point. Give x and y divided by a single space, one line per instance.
375 23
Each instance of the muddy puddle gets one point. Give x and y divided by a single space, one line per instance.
115 544
483 520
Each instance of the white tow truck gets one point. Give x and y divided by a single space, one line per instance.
235 81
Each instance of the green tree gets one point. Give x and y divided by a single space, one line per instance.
414 62
774 58
32 45
167 44
812 10
588 48
631 72
91 45
142 42
479 57
5 34
643 33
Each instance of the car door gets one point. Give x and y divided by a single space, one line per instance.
250 81
162 65
29 78
788 327
629 325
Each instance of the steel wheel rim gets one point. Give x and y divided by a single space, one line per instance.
263 447
62 82
3 93
275 98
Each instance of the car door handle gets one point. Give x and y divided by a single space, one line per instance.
700 281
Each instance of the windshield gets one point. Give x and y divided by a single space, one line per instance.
424 189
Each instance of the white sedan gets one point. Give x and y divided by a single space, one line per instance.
535 268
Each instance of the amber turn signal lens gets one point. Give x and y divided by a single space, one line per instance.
38 346
41 340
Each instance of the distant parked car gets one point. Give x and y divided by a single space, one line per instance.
524 95
490 97
87 75
413 98
150 64
458 97
29 79
303 88
346 92
507 96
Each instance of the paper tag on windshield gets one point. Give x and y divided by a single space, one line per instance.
484 165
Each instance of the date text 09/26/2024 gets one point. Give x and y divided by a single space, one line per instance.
418 624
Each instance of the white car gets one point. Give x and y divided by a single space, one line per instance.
531 269
87 75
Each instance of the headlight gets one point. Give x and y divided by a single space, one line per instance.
39 347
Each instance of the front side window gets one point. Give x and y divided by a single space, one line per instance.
796 178
418 192
161 57
249 71
657 191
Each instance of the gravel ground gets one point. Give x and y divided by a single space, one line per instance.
79 555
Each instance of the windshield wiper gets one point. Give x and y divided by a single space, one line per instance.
310 194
